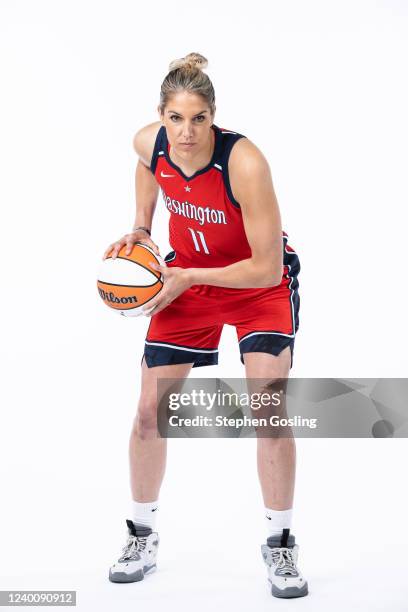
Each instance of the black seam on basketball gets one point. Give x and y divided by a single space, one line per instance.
131 286
151 298
139 305
154 272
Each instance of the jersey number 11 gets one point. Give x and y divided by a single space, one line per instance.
194 234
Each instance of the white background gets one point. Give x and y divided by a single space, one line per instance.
321 88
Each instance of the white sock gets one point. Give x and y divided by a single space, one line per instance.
144 513
277 520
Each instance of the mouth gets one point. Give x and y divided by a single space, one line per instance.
187 144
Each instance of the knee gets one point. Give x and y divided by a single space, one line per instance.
145 421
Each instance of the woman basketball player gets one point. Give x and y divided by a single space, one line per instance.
229 252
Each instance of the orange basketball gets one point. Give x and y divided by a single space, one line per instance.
127 282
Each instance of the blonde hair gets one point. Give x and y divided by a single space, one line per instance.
186 74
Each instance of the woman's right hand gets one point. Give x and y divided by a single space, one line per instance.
129 240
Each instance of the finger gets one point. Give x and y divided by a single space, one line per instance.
116 250
161 306
108 250
147 311
129 247
155 308
150 244
154 311
152 307
158 267
145 242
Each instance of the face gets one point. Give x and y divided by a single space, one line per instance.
188 119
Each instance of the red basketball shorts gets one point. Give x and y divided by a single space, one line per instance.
188 330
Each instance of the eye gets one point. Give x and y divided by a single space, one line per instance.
199 118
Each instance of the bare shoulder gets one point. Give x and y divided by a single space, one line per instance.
246 157
247 168
143 141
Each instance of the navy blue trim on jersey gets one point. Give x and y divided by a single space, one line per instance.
266 343
224 141
158 146
229 139
215 155
158 354
291 260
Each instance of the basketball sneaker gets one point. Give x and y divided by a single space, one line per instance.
280 554
138 555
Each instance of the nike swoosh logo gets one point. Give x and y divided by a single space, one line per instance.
165 175
154 509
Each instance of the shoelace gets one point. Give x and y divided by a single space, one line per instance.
132 547
283 559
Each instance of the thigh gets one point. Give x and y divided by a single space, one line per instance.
268 366
156 383
151 376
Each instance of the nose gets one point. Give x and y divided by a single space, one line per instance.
187 132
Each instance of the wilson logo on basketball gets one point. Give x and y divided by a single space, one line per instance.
111 297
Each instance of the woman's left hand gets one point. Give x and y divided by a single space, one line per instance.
176 281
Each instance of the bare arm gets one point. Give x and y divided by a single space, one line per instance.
251 183
146 188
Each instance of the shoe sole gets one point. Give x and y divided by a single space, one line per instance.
136 577
289 592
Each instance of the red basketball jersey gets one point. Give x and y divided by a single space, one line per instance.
205 226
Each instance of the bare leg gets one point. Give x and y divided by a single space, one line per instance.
276 457
147 450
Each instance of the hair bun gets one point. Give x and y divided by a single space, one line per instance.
192 61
